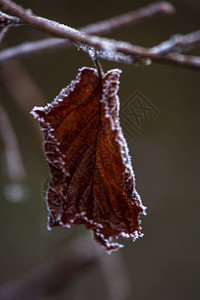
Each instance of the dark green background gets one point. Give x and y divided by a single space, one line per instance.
165 263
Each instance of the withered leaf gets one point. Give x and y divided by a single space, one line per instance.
92 180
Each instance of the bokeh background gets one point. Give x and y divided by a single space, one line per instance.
165 263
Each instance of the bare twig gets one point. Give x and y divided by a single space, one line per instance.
108 49
115 274
7 21
3 31
178 43
21 86
15 168
47 279
134 16
30 48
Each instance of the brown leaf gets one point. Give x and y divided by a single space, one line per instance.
92 181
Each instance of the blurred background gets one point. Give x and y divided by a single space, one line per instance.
67 264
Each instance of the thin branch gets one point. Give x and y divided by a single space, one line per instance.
49 278
107 49
116 276
134 16
7 21
21 86
105 26
178 43
15 170
3 31
15 167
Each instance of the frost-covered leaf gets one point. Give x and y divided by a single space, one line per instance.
92 181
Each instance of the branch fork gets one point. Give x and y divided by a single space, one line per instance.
168 52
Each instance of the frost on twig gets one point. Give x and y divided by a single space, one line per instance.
102 27
178 43
7 21
108 53
122 51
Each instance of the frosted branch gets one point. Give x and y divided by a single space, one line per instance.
178 43
7 21
106 48
30 48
